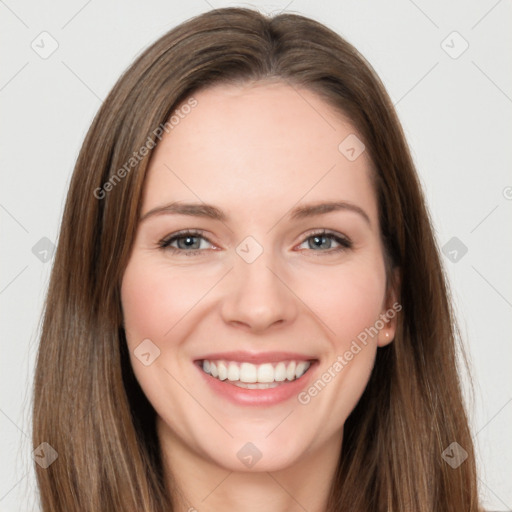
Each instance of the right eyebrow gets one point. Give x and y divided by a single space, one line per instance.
193 209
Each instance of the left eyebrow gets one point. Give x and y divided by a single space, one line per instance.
310 210
215 213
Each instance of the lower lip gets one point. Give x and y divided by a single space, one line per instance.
270 396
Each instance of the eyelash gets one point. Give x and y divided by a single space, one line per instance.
164 244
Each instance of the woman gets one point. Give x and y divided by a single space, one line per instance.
247 308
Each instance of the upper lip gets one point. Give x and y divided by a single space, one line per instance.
256 357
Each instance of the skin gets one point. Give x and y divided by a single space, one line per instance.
255 151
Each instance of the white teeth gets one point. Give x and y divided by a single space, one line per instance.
301 368
290 371
280 372
248 372
233 372
256 385
223 371
265 373
253 376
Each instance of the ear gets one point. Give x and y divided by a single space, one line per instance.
390 309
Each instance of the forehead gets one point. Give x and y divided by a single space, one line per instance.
269 143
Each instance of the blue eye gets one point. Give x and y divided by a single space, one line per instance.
324 240
186 240
189 242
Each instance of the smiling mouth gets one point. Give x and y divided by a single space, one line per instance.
255 376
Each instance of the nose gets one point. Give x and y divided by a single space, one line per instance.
257 297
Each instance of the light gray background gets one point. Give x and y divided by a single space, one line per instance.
455 112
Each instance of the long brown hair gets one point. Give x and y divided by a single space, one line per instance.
87 403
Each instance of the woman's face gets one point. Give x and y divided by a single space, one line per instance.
270 286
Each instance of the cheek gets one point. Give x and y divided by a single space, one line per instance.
358 307
155 298
142 307
349 302
349 305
